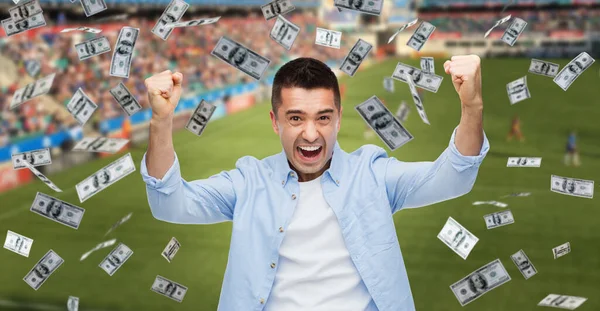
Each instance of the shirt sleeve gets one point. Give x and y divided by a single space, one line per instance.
416 184
205 201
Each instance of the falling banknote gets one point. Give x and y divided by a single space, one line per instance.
573 70
416 99
480 282
427 65
402 29
561 250
427 81
523 162
277 7
355 57
43 269
372 7
100 144
31 90
572 186
388 84
84 29
115 259
73 303
33 67
17 243
25 10
81 106
125 99
562 301
328 38
35 158
524 264
172 14
41 176
544 68
512 33
499 219
195 22
383 122
120 64
494 203
92 47
284 32
420 36
241 57
200 117
171 249
97 247
12 28
517 90
458 238
105 177
57 210
498 23
169 288
118 223
403 111
91 7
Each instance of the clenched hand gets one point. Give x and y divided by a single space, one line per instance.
465 71
164 91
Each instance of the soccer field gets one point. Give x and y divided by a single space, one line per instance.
542 221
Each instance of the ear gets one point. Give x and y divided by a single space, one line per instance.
274 122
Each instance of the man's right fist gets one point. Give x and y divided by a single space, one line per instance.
164 91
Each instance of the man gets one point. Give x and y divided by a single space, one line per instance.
572 154
313 226
515 129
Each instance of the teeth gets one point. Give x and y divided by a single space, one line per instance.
310 148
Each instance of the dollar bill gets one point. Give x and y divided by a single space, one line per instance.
512 33
17 243
426 81
123 54
524 264
355 57
100 144
499 219
25 10
57 210
480 282
403 111
328 38
115 259
97 247
171 249
420 36
562 301
31 90
458 238
125 99
33 67
12 28
284 32
169 288
81 107
43 269
92 47
573 70
561 250
241 57
402 29
518 194
494 203
195 22
85 29
41 176
118 223
105 177
416 99
523 162
517 90
383 122
200 117
572 186
276 8
73 303
172 14
37 157
427 65
91 7
388 84
498 23
544 68
372 7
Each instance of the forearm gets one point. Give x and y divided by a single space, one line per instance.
469 135
161 153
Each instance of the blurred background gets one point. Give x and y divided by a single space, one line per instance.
557 31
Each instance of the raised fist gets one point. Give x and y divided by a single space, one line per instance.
465 71
164 91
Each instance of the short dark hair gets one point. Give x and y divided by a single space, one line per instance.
306 73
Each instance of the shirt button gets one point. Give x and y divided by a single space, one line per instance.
337 181
283 182
280 229
293 196
293 175
272 265
262 301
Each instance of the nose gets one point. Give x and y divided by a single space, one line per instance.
310 132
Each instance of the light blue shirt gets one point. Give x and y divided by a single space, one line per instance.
364 189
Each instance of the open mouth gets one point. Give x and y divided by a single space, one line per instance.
309 153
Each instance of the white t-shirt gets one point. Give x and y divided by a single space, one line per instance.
315 271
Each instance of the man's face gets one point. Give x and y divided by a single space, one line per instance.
308 119
570 185
477 281
239 56
104 178
55 208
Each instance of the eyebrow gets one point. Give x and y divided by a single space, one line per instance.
297 111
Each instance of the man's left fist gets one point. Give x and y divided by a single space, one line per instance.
465 71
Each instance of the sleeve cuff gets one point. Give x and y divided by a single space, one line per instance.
168 183
462 162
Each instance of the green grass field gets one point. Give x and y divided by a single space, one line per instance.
543 220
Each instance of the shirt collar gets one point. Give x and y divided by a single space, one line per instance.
283 170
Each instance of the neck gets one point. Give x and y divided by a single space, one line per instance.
303 177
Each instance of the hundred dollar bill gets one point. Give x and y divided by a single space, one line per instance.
125 99
402 112
172 14
105 177
57 210
561 250
41 176
118 223
12 28
101 144
43 269
499 219
518 194
328 38
284 32
33 67
92 47
388 84
85 29
17 243
428 81
91 7
195 22
241 57
517 90
25 10
402 29
277 7
81 107
498 23
523 162
35 158
97 247
494 203
480 282
420 36
572 186
355 57
372 7
524 264
512 33
573 70
73 303
427 65
416 99
383 122
562 301
123 54
171 249
31 90
200 117
458 238
116 259
544 68
169 288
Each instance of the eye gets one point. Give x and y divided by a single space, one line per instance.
324 118
295 118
